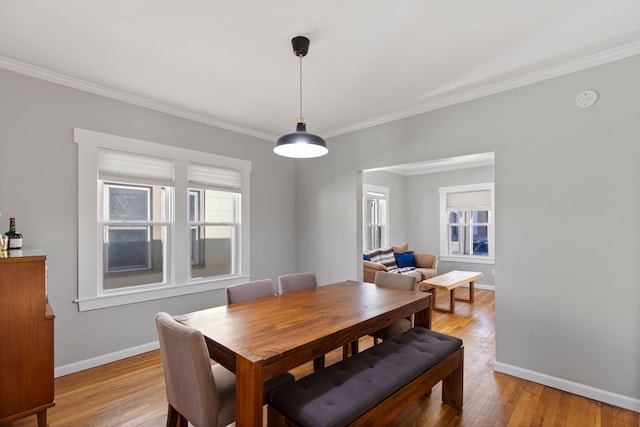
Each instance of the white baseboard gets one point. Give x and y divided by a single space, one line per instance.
480 286
71 368
615 399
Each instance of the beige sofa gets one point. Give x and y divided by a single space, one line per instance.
386 259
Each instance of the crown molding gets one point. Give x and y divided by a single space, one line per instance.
580 64
434 103
83 85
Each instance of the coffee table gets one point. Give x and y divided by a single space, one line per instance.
450 281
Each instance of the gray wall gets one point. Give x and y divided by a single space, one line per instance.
38 186
567 198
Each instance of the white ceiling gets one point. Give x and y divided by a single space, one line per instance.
230 63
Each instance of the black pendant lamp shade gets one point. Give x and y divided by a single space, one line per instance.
300 144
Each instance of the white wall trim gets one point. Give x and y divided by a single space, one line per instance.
611 55
481 286
71 368
118 95
615 399
461 96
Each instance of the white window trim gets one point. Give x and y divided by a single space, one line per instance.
370 188
89 296
444 235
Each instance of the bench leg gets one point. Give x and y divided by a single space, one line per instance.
275 417
452 385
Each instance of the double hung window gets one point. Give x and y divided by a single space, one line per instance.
467 220
376 218
159 221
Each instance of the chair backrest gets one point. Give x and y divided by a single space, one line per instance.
189 382
296 282
249 290
401 281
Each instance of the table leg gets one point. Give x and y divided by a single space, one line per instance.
471 293
42 418
452 302
423 318
249 393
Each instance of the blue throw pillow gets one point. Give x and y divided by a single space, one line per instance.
366 257
405 259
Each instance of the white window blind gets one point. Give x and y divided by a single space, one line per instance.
215 178
120 166
469 200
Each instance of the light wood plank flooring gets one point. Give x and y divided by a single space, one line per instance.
130 392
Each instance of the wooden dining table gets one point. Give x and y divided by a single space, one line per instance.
262 338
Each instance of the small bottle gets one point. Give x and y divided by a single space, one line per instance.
15 238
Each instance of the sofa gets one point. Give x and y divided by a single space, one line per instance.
401 260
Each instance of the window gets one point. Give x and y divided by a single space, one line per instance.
213 220
467 220
167 221
376 229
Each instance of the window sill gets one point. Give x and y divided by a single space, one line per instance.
467 259
142 295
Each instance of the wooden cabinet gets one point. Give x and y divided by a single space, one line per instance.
26 337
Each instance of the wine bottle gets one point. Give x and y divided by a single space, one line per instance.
15 238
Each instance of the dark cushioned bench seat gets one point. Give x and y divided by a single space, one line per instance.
342 393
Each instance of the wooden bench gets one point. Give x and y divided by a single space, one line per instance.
374 386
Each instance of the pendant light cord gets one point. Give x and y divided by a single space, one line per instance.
301 119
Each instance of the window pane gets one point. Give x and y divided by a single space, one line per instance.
212 206
454 239
373 211
480 240
454 217
194 203
480 217
127 203
219 206
133 256
373 237
212 250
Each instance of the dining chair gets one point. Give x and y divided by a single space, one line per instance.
395 280
197 392
296 282
249 291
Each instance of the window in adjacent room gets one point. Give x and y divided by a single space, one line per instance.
167 221
467 223
376 218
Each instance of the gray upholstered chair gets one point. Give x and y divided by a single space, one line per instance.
395 280
296 282
249 291
197 392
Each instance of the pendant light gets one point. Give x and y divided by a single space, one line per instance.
300 144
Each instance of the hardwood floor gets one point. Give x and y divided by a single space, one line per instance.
130 392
